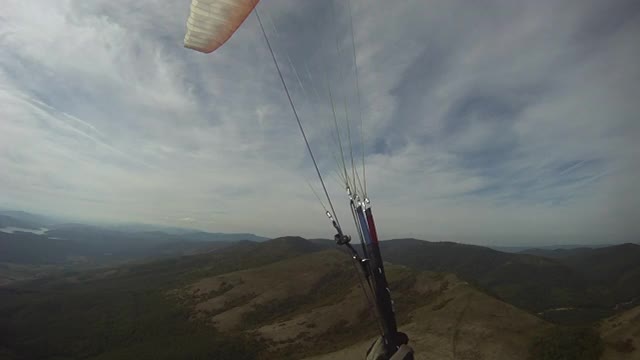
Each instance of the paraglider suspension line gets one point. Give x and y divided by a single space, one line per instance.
295 113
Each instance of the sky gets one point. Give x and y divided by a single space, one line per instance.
488 122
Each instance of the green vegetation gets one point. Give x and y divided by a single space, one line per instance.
577 317
122 318
567 343
441 304
623 346
128 314
330 288
587 284
148 310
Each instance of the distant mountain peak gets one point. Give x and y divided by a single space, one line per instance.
10 221
288 238
628 246
292 243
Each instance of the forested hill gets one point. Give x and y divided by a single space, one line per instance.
588 285
286 298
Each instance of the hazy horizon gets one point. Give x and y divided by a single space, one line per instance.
497 242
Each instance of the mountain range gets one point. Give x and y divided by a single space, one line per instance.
286 298
184 294
587 285
35 239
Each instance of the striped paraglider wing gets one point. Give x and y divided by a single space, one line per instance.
212 22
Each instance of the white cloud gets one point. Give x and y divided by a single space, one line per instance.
496 119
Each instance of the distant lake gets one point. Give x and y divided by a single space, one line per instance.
12 229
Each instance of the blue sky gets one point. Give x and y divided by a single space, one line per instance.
487 121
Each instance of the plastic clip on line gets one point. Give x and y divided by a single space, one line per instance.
330 216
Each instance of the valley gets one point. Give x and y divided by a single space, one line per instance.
286 298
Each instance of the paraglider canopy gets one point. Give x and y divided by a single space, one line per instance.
212 22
